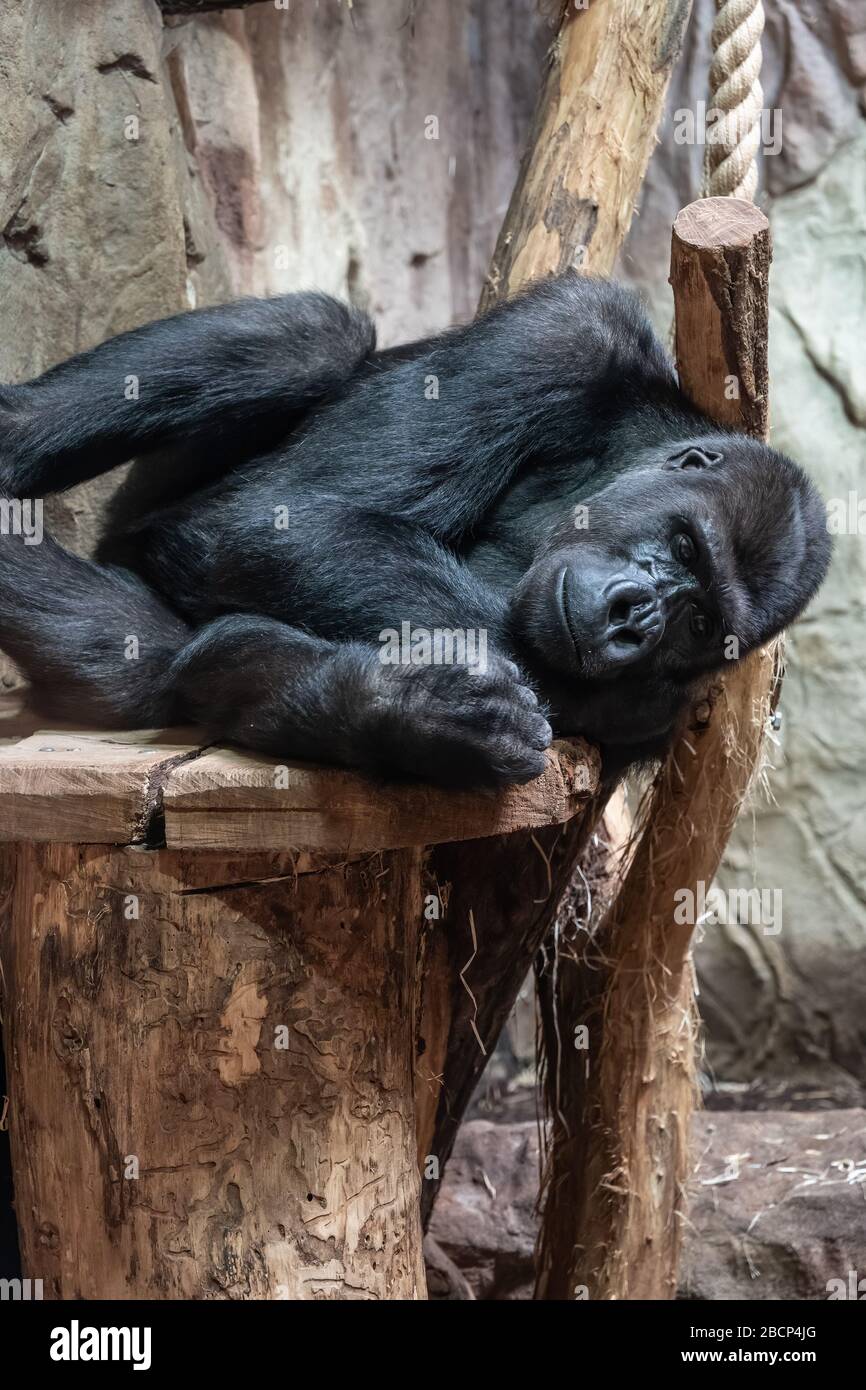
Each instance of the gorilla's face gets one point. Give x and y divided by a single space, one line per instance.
676 565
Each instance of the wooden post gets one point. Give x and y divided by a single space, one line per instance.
614 1216
211 1046
720 266
591 139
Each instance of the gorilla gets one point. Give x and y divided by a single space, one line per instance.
531 490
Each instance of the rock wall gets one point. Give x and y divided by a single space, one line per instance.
95 194
100 203
775 1210
367 150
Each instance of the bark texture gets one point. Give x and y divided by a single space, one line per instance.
499 897
720 268
614 1217
219 1051
211 1071
593 133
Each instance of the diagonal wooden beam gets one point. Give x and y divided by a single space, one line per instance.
591 139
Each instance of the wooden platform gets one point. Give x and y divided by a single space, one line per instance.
228 1004
164 788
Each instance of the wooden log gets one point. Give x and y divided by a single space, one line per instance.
161 787
211 1086
226 799
592 136
214 1050
720 266
87 786
499 897
579 181
615 1211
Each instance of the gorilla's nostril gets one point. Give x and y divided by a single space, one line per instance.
620 612
630 605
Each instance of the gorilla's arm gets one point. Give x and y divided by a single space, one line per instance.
314 684
233 379
337 702
379 594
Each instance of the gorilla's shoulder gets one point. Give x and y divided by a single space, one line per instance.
583 316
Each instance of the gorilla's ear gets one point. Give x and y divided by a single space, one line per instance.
694 457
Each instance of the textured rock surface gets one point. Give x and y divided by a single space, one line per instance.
368 151
96 191
484 1221
777 1207
777 1203
788 1006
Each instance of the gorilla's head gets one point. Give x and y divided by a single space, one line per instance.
697 554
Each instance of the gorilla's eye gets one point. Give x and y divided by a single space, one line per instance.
699 623
684 549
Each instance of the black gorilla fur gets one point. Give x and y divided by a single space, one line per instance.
434 484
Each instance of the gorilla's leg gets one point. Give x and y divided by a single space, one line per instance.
99 646
233 377
267 686
95 642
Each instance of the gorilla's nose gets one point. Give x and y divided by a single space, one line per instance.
634 622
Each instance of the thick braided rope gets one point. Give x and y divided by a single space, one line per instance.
736 93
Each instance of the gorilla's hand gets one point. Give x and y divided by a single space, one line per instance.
456 725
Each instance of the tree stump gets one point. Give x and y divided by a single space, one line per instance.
213 975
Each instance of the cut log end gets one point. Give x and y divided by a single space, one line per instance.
719 224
